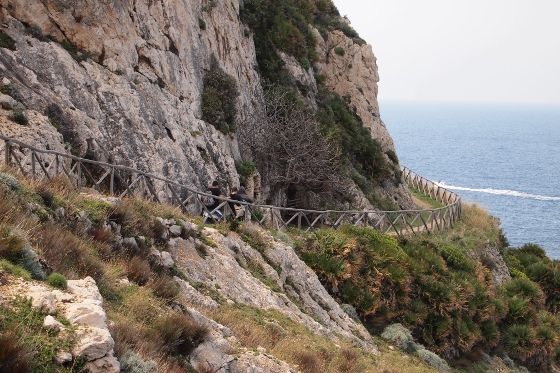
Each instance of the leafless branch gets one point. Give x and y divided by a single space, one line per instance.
286 143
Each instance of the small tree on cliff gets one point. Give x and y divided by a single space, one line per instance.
219 98
286 143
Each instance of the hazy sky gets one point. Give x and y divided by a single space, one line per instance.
476 50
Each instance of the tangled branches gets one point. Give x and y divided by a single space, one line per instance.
286 142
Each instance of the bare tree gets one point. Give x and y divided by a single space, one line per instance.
286 142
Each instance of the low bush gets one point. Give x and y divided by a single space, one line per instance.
18 117
67 253
181 333
9 182
138 270
14 357
219 98
131 362
201 24
309 362
29 260
339 50
165 287
57 280
6 41
433 360
11 245
77 54
245 169
400 337
10 90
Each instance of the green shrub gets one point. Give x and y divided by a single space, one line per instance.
245 169
10 90
400 337
339 50
201 24
180 333
57 280
342 124
76 53
523 287
519 341
320 79
257 214
304 62
455 257
219 98
29 260
19 118
433 360
6 41
131 362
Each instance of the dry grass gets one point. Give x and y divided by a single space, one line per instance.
138 270
180 333
66 253
165 287
295 344
14 357
477 217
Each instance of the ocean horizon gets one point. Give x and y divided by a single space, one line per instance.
500 156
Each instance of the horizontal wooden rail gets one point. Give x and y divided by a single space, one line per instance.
122 181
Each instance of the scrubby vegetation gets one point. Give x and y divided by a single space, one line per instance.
6 41
144 324
436 286
284 26
219 98
439 287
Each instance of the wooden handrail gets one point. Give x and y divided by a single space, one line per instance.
123 181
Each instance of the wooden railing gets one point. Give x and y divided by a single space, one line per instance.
122 181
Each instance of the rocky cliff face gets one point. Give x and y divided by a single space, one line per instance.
130 90
137 100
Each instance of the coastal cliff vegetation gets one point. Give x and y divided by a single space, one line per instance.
284 26
440 287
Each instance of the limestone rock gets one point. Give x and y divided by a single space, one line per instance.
175 230
7 102
86 314
222 264
137 100
107 364
92 343
161 258
43 301
190 297
63 357
85 289
50 323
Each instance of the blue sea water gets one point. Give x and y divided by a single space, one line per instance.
504 157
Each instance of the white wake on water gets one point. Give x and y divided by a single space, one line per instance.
505 192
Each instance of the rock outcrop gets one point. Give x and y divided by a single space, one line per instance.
82 305
137 100
224 264
122 82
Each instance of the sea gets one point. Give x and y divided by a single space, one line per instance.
503 157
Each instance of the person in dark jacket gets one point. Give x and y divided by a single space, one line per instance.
244 195
215 190
236 197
